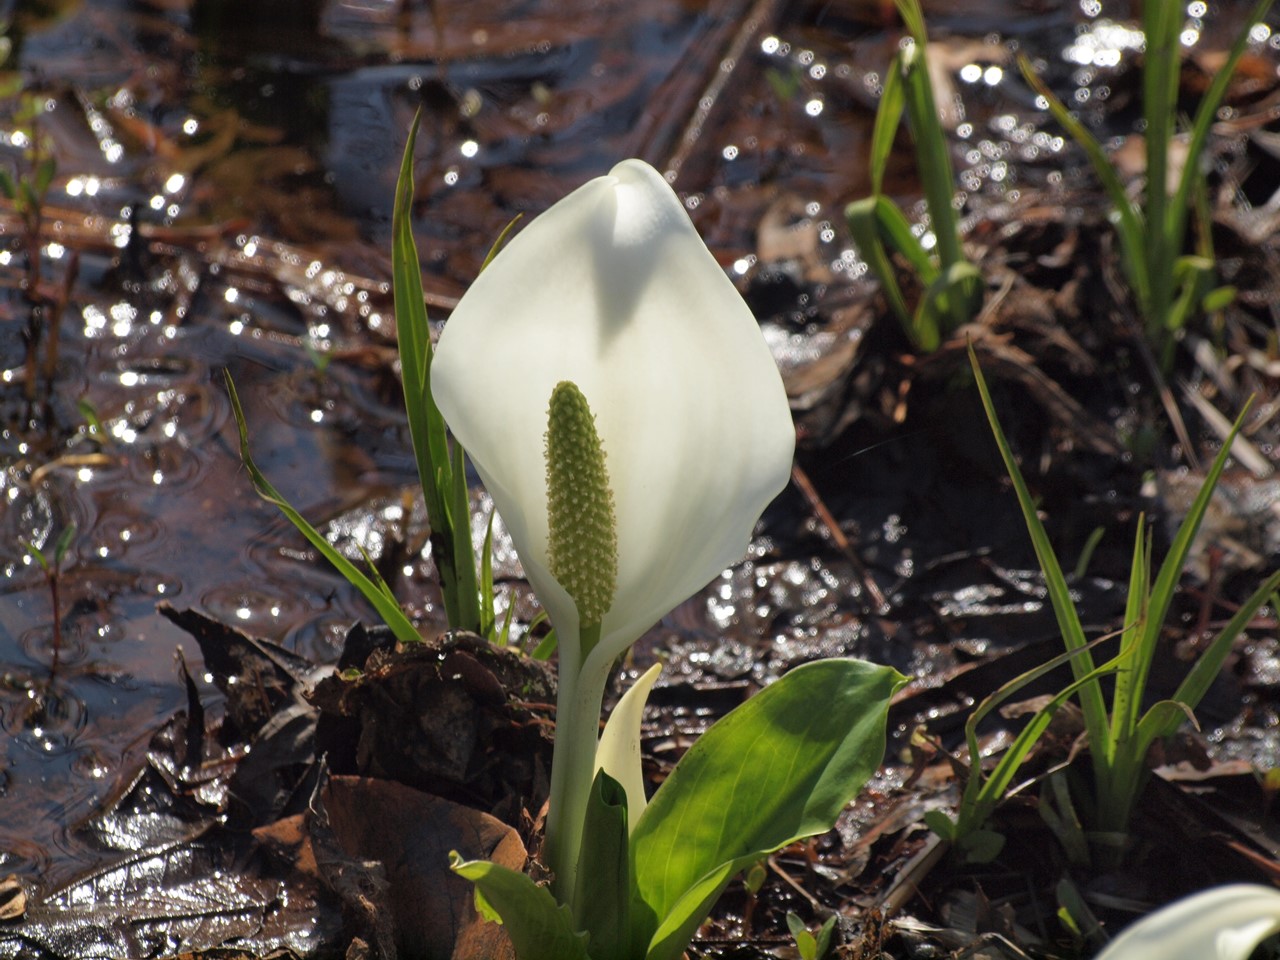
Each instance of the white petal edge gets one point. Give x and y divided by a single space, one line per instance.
1224 923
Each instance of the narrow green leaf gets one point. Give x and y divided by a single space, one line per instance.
1205 116
63 545
896 230
36 553
7 185
773 770
387 608
941 824
977 806
546 647
1126 701
426 425
500 242
1129 225
1170 573
375 575
888 118
933 153
1192 689
1219 298
464 554
488 617
1091 702
44 176
861 218
540 928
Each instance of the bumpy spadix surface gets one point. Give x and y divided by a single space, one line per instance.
582 536
613 289
1224 923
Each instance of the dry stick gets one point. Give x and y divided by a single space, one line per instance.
1138 336
762 13
805 485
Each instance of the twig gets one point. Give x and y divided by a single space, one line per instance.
878 602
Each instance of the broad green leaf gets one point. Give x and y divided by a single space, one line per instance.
387 608
602 900
540 928
775 769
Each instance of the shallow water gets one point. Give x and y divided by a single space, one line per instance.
222 202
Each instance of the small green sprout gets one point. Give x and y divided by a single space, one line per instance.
1121 734
952 286
1168 284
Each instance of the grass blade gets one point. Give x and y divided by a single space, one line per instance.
1129 223
386 606
1091 702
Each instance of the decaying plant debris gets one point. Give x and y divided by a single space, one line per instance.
287 811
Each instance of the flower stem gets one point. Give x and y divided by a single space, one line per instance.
573 763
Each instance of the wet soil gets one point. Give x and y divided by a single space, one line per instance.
221 201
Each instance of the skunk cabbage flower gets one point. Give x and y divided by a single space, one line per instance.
672 406
613 290
1225 923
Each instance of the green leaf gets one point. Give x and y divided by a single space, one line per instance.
1130 227
451 533
63 545
775 769
933 152
36 553
1206 115
861 218
1091 702
488 618
540 928
602 900
888 118
980 846
941 824
1192 689
44 176
387 608
954 294
1219 298
7 185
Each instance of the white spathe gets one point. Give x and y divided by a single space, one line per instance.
613 289
1224 923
